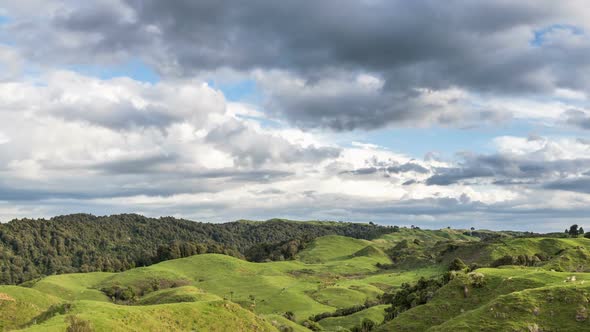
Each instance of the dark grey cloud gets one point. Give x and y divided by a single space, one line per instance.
580 184
118 115
388 169
492 48
506 169
408 167
124 180
577 118
147 164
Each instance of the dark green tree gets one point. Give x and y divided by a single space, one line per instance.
573 231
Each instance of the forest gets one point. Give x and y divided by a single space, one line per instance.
32 248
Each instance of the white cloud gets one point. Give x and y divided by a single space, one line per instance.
71 143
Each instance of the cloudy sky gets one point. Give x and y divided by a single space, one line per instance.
433 113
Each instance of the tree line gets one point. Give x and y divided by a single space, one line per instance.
32 248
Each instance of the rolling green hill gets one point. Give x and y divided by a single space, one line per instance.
232 289
330 283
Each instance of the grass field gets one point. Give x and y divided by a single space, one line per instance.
214 292
450 302
233 290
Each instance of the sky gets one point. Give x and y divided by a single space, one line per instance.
429 113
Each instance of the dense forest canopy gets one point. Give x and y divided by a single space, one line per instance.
30 248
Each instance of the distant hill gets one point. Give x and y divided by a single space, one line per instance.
84 243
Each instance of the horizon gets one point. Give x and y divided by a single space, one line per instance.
367 222
423 113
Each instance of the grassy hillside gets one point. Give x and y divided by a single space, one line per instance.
555 308
204 315
334 283
239 293
451 301
19 306
376 314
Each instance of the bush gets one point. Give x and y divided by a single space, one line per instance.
457 265
476 279
119 293
409 296
505 260
312 325
78 325
367 325
289 315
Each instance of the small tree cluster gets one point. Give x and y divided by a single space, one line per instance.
574 231
524 260
409 296
119 293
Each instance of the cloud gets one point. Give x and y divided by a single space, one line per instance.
579 184
577 118
382 67
70 142
252 147
520 161
393 168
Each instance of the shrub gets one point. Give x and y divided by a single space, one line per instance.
78 325
505 260
457 265
476 279
312 325
367 325
409 296
289 315
119 293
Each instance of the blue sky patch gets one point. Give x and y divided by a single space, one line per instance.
448 141
134 68
244 91
539 35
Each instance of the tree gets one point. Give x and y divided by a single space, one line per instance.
573 231
472 229
581 231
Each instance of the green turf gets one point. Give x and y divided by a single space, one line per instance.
177 295
450 301
331 248
554 308
188 316
376 314
75 286
283 324
339 297
215 292
20 306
